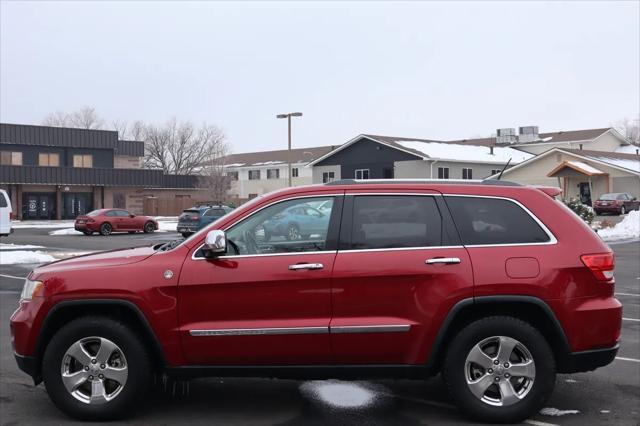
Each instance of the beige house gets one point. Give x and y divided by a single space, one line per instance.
582 174
256 173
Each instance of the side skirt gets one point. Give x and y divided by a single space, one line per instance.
306 372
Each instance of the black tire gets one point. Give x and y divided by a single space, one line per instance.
138 364
87 232
187 234
106 229
455 369
149 227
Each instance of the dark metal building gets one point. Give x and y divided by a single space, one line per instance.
59 173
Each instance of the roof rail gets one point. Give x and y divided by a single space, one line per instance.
410 181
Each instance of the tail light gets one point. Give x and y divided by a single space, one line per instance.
195 217
601 265
90 220
10 215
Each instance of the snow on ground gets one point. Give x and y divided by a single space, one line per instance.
65 231
339 394
4 246
167 225
23 256
628 228
555 412
42 224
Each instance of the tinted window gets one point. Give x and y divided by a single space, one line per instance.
3 200
111 213
215 212
494 221
281 228
395 221
122 213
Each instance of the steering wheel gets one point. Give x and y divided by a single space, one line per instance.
250 242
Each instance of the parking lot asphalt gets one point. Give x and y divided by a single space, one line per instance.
607 396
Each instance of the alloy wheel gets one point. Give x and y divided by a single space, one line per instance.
500 371
293 233
106 229
94 370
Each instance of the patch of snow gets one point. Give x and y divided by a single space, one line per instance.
628 228
555 412
585 167
23 256
4 246
625 163
461 152
41 224
234 165
340 394
627 149
605 411
571 381
66 231
165 226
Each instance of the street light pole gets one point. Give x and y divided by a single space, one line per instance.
288 117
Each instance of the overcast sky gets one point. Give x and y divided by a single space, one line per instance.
417 69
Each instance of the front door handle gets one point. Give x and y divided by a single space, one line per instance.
445 260
300 266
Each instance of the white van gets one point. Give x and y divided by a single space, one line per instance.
5 214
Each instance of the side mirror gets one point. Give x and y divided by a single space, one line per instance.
215 243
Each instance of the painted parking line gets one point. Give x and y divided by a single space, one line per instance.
10 292
627 294
627 359
12 276
631 319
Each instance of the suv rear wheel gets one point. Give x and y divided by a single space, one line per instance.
500 369
96 368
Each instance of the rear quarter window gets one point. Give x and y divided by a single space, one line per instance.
3 200
490 221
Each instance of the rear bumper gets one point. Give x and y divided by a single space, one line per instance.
577 362
607 209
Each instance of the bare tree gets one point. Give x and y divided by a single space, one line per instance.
180 148
629 128
84 118
214 180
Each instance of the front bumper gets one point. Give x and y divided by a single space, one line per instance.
577 362
29 365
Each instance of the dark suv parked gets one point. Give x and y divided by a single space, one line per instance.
195 218
492 284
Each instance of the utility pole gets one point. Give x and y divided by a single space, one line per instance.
288 117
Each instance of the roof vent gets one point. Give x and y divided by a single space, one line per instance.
506 136
528 134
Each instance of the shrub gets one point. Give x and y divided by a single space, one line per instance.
585 212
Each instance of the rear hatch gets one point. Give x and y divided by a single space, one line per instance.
189 217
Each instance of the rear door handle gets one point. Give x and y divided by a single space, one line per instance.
300 266
445 260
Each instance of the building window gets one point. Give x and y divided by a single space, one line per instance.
49 159
387 173
467 173
443 173
254 174
362 174
273 173
495 171
233 175
11 158
82 160
294 172
328 177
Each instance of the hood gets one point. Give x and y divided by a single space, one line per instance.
97 260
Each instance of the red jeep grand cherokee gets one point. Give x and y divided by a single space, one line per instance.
496 285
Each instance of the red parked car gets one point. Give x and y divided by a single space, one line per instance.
106 221
617 203
490 283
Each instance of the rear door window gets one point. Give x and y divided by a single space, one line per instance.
491 221
395 221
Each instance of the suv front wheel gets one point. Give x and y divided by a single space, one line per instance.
96 368
500 369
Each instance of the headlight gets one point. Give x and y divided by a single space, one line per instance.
31 289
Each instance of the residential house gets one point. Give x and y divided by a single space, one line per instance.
256 173
59 173
388 157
